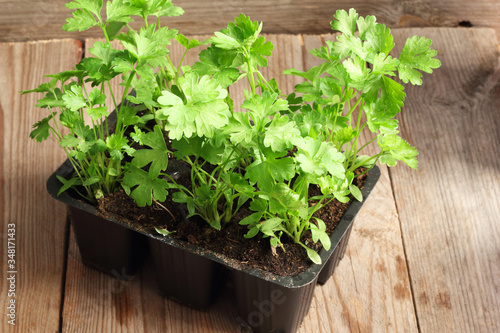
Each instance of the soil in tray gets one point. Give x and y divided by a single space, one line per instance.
253 252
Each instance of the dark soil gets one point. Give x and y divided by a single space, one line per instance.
253 252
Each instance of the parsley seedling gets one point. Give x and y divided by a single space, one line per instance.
76 99
269 155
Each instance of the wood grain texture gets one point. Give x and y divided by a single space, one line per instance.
449 208
24 168
33 20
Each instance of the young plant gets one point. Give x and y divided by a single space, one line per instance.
76 100
199 118
353 81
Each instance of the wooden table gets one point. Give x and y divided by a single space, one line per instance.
424 254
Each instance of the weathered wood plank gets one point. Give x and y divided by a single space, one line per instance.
30 19
370 290
449 208
40 221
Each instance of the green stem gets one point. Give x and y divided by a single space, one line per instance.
125 94
103 27
251 78
180 65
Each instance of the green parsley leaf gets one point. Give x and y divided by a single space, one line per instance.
120 11
204 111
280 133
379 39
157 155
188 43
274 168
416 55
82 20
146 187
74 99
397 149
318 157
220 64
117 145
104 51
365 24
41 129
345 22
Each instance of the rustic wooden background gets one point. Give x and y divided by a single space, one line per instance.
23 20
424 254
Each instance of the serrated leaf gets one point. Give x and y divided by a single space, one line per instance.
157 156
82 20
345 22
365 24
384 100
119 11
204 112
385 65
397 149
261 48
357 70
98 112
70 141
225 42
271 170
343 136
117 145
416 55
104 51
263 106
379 39
146 187
240 130
280 133
318 157
74 99
282 199
93 6
41 129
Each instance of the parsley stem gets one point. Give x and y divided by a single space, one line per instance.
103 27
180 64
125 94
